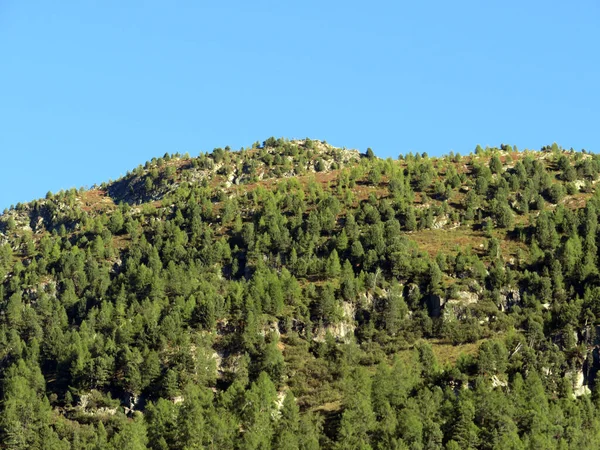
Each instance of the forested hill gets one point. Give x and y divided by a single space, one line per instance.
293 295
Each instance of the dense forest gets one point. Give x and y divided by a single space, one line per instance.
294 295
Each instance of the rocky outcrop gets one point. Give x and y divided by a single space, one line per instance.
456 307
509 297
577 377
94 404
342 331
440 222
466 298
497 382
133 402
270 327
226 364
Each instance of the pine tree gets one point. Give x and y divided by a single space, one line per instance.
410 221
495 164
394 310
358 419
464 430
191 424
357 251
342 241
333 267
288 426
132 435
257 417
25 413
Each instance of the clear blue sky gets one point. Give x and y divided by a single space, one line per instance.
89 90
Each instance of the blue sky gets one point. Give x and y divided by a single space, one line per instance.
89 89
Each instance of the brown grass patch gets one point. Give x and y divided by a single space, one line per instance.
95 200
329 407
447 354
121 242
450 242
577 201
447 241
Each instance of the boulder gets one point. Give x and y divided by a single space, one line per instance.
439 222
466 298
508 298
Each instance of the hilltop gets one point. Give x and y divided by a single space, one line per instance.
297 295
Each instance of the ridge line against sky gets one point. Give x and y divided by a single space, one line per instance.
90 91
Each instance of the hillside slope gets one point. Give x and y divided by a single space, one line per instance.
297 295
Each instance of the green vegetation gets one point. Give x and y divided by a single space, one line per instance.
293 295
